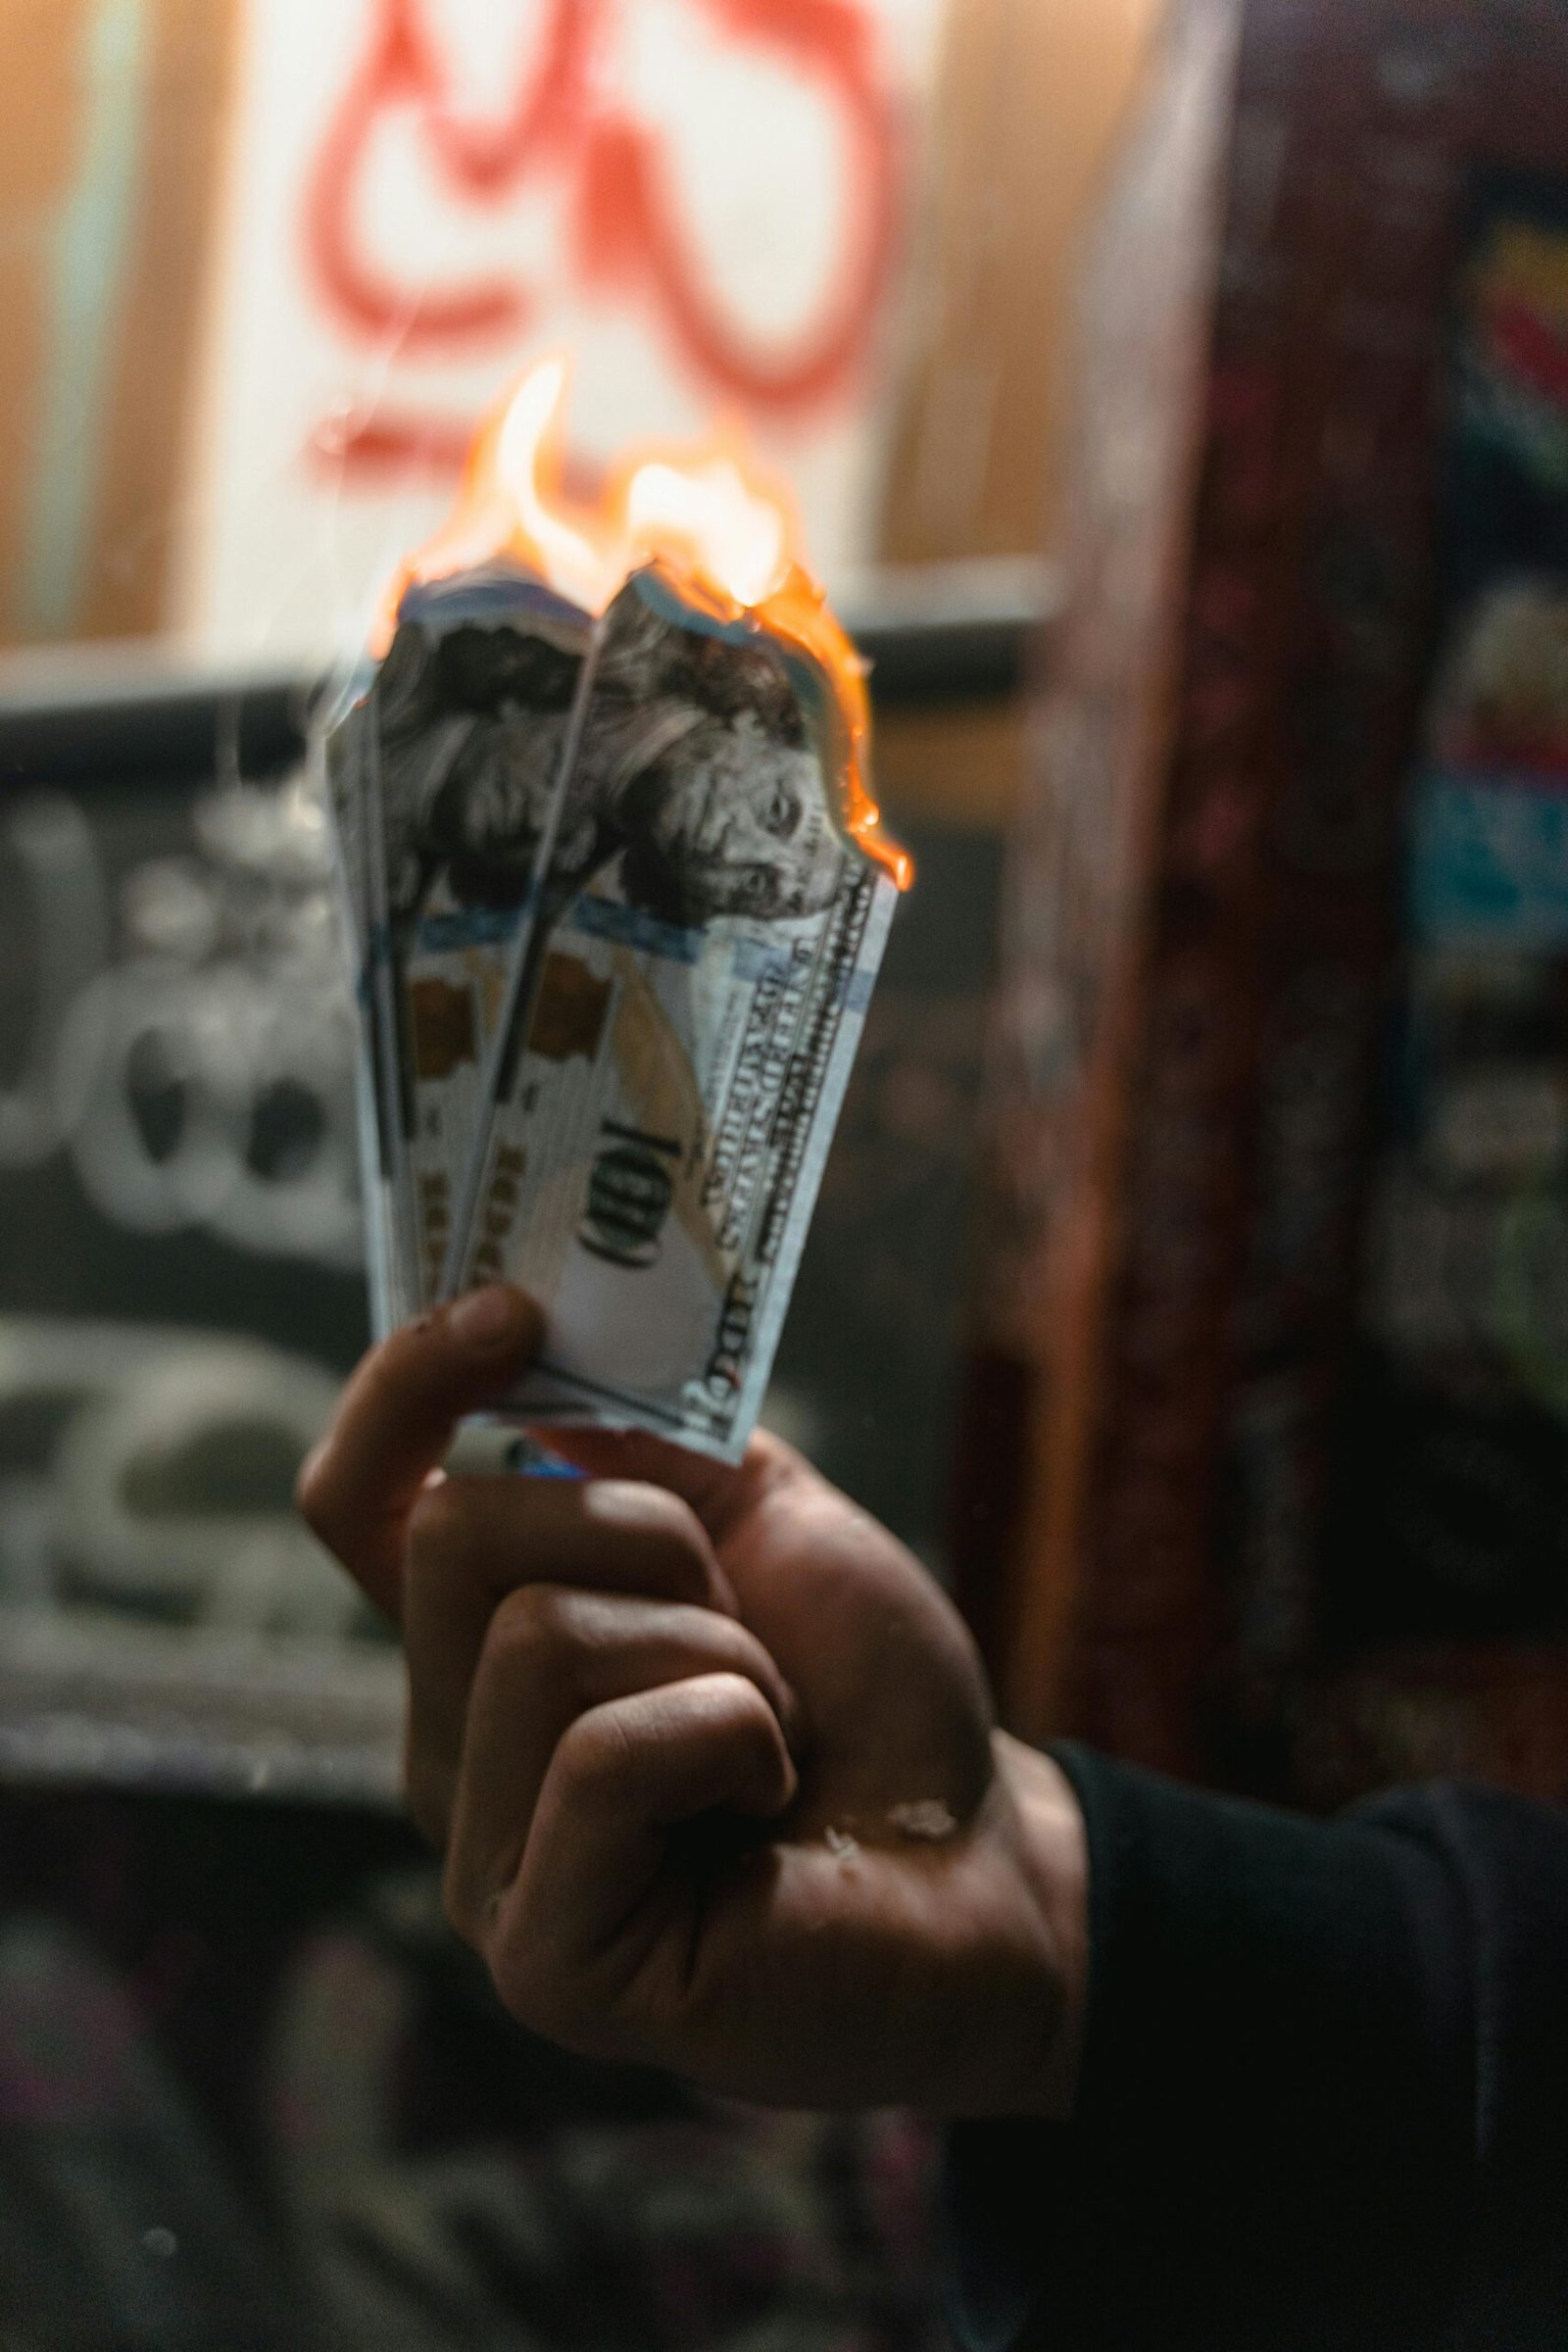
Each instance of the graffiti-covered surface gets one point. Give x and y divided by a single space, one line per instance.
181 1284
254 2094
179 1293
708 202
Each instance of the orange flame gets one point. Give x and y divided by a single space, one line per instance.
709 516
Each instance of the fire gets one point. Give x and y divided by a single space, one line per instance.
726 532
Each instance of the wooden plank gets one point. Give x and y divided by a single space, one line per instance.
115 331
149 419
38 104
1030 100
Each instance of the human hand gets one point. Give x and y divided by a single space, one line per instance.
711 1755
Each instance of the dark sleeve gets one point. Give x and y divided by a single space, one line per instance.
1324 2095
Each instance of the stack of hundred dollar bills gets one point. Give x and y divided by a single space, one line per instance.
615 941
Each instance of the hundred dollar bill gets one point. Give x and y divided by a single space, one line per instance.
344 768
464 739
681 1024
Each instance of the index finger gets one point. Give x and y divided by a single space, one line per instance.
396 1420
719 1492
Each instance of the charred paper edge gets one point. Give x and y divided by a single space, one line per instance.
523 986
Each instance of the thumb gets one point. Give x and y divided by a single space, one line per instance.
395 1423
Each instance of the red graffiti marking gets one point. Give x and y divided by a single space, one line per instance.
626 230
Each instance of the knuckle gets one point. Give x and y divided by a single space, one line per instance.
530 1634
682 1530
734 1706
735 1652
485 1527
674 1538
438 1524
599 1759
742 1724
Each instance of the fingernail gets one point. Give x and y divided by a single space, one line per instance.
484 1322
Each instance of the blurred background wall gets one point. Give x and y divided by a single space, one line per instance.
1277 1247
266 267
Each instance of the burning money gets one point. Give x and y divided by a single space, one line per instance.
462 744
619 901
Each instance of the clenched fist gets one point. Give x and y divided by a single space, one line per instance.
710 1756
